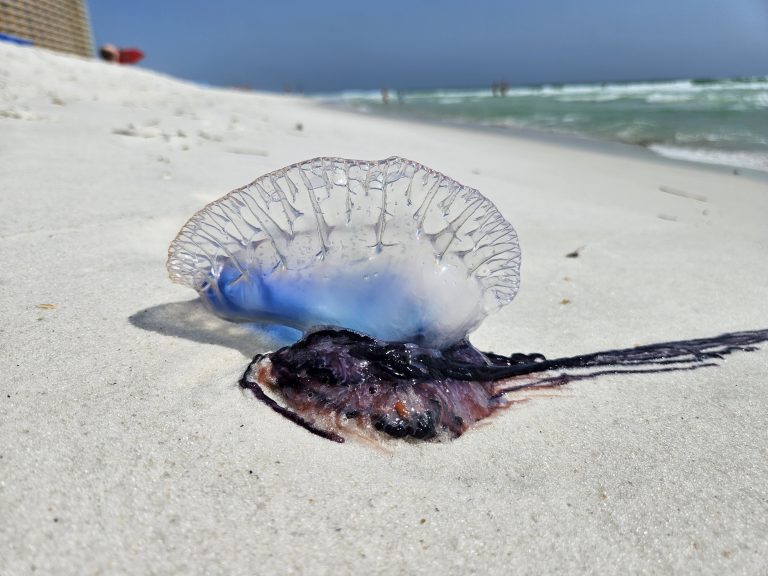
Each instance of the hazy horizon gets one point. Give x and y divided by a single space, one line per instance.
347 45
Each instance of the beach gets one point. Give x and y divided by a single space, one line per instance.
126 446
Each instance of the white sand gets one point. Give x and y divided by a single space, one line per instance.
126 446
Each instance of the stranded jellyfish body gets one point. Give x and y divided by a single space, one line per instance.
386 267
390 249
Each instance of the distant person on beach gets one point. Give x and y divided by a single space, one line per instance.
385 95
111 53
499 88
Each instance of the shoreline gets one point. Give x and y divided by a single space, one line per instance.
554 137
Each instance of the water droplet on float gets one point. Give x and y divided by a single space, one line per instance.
340 179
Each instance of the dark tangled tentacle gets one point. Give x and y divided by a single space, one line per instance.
344 379
652 358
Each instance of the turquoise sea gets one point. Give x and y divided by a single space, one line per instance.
712 121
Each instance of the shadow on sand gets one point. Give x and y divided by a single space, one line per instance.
192 321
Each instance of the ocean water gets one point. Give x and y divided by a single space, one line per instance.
718 122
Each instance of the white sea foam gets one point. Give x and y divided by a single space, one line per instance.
740 159
674 91
666 97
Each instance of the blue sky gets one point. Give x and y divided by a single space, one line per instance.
345 44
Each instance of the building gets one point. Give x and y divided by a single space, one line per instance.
55 24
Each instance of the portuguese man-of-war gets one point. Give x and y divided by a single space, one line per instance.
386 267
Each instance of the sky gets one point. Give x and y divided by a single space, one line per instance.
334 45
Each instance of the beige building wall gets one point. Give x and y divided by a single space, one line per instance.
56 24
